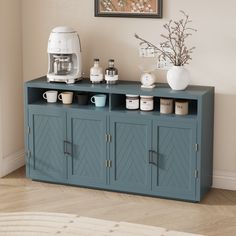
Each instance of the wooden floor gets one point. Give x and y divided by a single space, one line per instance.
215 215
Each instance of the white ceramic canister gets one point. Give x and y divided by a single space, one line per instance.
132 102
146 103
166 105
181 107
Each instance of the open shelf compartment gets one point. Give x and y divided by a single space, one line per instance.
118 104
35 97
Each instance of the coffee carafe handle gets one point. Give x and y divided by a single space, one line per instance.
55 65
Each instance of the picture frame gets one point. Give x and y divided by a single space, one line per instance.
129 8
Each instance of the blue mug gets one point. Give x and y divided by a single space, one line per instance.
99 100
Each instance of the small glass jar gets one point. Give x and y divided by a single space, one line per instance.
146 103
132 102
96 72
111 73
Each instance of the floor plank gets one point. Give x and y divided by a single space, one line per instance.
215 215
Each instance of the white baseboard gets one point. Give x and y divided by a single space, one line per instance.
224 179
12 162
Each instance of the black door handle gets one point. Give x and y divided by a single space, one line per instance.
152 159
66 143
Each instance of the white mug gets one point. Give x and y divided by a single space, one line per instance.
66 97
50 96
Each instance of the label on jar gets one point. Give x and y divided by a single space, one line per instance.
181 108
111 77
166 106
146 105
96 77
132 104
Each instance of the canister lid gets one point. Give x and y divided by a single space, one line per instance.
147 97
182 101
166 99
131 95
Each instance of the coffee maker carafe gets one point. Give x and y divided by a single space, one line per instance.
64 56
62 64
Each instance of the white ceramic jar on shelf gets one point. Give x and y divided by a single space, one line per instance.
132 102
146 103
166 105
181 107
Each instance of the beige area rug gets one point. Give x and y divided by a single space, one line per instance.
34 224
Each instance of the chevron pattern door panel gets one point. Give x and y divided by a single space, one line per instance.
131 142
87 132
48 131
174 172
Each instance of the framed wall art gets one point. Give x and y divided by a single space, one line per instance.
129 8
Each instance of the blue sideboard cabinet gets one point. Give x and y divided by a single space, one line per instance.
129 153
174 159
87 152
46 143
116 149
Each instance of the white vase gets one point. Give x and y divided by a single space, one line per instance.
178 77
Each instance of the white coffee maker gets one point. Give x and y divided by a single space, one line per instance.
64 56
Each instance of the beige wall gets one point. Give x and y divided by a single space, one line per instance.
213 64
11 96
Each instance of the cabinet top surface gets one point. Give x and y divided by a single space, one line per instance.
122 87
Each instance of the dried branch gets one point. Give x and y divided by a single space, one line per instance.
174 47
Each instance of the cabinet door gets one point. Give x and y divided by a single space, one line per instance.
131 142
47 134
174 159
86 133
